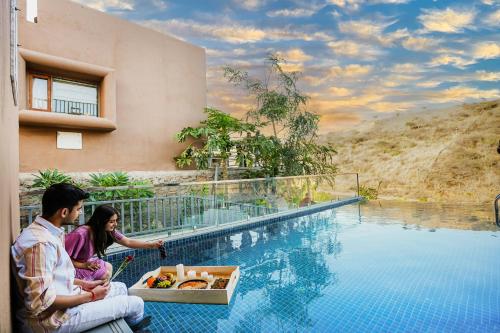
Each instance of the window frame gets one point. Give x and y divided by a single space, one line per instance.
50 79
47 77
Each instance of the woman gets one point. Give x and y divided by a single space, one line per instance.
93 238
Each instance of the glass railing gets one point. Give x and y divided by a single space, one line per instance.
184 207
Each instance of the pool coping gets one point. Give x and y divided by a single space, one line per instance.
174 240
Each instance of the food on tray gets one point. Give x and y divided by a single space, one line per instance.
161 281
193 284
220 283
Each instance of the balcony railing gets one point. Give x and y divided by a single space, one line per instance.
75 108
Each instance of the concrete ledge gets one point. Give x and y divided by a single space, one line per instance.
60 120
115 326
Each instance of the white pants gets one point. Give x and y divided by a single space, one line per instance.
117 304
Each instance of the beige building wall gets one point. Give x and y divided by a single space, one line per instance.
9 150
157 86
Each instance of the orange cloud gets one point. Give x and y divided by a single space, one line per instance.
448 20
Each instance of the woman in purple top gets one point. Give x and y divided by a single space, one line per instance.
93 238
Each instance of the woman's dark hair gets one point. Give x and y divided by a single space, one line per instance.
59 196
97 223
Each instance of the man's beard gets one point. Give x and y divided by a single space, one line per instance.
68 221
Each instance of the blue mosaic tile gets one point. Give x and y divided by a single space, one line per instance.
327 272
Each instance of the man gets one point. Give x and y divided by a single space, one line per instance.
54 301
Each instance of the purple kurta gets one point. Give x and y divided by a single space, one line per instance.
80 247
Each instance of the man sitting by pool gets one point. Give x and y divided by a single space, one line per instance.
53 299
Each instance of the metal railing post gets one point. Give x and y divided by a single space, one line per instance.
357 182
497 218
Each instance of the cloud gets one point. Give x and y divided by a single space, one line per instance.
238 52
352 49
292 67
428 84
160 4
486 50
391 106
396 80
250 4
105 5
480 75
463 93
420 44
231 32
339 91
338 120
406 68
493 19
487 76
295 55
451 60
363 28
351 71
395 2
447 20
346 48
354 5
490 2
359 101
232 101
373 31
335 14
347 4
297 12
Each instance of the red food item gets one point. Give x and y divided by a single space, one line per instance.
151 282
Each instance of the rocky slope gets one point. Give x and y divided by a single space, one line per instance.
431 155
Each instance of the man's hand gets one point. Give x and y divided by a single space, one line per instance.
101 291
90 285
92 266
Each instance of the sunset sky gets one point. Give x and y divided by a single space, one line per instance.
359 58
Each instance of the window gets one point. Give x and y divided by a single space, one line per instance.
54 94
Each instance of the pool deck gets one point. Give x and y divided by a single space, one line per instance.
168 236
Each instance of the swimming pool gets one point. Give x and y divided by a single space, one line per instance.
357 268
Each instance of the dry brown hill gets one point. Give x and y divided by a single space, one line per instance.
428 156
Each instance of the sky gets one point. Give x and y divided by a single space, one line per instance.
359 59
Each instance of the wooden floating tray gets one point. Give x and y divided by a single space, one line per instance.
173 294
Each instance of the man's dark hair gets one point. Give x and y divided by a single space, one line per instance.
59 196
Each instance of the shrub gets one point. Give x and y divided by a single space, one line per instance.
368 193
113 179
49 177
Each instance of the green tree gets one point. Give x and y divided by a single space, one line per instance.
215 137
292 149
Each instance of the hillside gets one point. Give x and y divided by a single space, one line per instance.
428 155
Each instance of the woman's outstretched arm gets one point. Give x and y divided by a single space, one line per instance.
139 244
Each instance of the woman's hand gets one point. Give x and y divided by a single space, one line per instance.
155 244
92 266
90 285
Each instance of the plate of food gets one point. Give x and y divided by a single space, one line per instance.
162 281
193 284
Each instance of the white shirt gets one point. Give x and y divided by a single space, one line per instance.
44 270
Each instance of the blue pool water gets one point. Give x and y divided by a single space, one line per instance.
368 268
